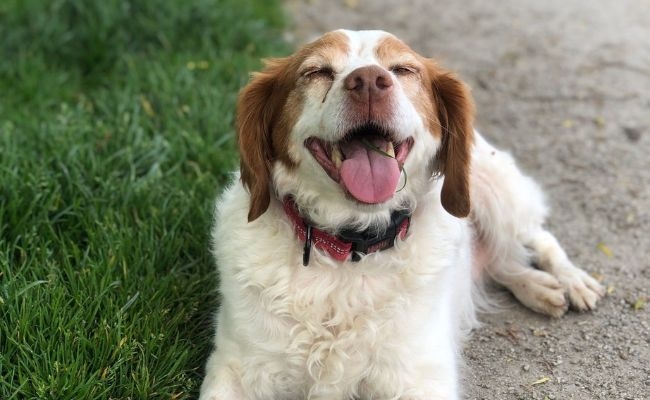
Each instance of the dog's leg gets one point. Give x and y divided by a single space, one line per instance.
508 215
221 380
583 290
227 377
538 290
420 364
440 383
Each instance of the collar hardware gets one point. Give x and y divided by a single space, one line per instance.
370 241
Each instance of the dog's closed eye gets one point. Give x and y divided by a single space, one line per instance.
402 70
319 73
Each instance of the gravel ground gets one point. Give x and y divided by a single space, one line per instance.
565 85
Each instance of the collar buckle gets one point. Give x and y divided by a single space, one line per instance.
370 241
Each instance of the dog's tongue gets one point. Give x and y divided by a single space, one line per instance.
368 175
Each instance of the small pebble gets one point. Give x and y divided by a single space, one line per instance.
633 134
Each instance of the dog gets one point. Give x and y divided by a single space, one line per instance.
353 242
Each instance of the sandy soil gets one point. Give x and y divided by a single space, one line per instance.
565 86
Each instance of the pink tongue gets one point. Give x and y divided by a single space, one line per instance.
368 175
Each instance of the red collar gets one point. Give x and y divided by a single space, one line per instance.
347 244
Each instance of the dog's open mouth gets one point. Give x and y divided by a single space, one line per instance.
367 162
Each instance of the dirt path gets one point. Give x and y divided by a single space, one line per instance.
566 87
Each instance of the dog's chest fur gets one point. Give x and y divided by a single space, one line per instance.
324 315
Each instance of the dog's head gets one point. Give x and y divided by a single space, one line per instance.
354 124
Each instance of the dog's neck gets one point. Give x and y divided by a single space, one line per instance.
348 244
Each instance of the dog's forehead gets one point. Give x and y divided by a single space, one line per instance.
357 48
364 44
376 46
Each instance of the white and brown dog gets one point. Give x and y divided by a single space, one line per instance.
346 261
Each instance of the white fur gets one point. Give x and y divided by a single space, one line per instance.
508 214
391 325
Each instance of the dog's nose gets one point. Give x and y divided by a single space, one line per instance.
369 83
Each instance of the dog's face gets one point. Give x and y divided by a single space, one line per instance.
353 125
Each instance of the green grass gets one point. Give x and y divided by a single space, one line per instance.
116 133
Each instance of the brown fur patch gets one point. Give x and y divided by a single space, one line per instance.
391 49
455 115
327 49
267 109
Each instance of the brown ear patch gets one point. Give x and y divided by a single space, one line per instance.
260 105
267 109
455 113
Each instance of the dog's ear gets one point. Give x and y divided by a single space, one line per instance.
455 113
259 105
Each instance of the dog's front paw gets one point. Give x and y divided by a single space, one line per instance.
539 291
583 290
